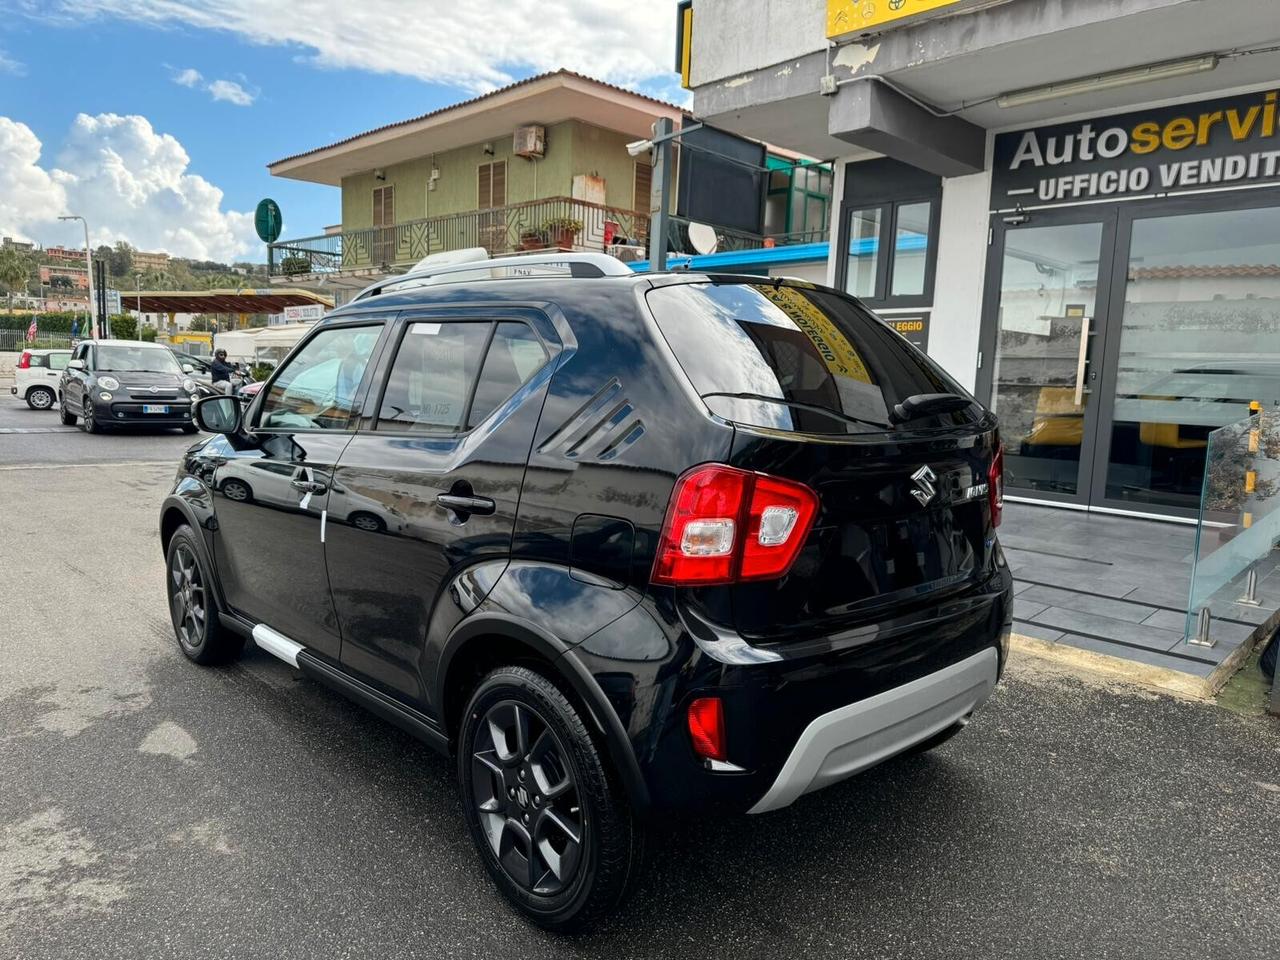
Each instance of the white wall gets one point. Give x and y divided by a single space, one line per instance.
962 262
735 36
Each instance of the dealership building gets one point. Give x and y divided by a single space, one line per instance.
1076 203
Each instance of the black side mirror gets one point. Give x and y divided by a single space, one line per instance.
218 414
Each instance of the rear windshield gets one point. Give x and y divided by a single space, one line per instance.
840 368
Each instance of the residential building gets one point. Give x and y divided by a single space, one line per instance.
22 246
1080 203
149 262
78 276
540 164
64 255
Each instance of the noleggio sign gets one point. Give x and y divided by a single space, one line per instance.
1218 143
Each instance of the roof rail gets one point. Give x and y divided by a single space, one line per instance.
579 265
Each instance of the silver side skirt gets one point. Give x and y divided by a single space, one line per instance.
851 739
277 644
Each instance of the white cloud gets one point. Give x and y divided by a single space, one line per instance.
10 65
130 182
473 46
231 92
227 91
189 77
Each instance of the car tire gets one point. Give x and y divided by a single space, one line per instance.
192 607
40 398
68 419
937 740
190 428
546 812
88 422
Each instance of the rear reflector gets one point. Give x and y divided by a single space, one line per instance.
995 484
726 525
706 728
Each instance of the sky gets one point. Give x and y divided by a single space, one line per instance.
155 119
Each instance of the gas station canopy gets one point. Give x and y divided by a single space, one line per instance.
245 301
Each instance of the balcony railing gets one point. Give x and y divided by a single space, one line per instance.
537 225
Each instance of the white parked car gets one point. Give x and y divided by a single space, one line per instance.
36 377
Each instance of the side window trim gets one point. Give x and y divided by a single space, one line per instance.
383 322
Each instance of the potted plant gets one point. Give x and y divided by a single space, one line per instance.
561 231
292 266
532 239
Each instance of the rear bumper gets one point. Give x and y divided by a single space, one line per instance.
799 716
851 739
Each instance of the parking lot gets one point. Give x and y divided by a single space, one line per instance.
151 808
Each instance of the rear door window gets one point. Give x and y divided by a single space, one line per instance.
432 376
797 358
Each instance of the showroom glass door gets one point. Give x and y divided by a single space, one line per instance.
1196 337
1049 278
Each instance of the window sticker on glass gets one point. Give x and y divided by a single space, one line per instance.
427 328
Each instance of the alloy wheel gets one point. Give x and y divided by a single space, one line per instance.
40 399
187 596
527 798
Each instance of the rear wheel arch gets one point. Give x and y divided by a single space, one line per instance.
482 644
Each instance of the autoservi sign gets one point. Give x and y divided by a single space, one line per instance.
1218 143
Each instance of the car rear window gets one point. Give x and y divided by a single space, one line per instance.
841 369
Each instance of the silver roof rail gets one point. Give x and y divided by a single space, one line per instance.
580 265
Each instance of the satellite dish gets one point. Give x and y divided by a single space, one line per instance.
703 238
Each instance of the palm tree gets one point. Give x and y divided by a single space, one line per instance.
15 272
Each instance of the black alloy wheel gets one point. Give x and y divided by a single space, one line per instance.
553 826
527 798
88 422
68 418
187 598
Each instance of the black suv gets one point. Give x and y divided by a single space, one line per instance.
621 544
125 383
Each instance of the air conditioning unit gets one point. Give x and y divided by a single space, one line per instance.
530 142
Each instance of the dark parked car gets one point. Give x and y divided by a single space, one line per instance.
125 383
620 544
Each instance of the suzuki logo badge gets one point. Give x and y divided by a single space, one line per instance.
924 490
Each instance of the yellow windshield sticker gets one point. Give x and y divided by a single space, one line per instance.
837 353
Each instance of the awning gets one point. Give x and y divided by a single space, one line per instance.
248 300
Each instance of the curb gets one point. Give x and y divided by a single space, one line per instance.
1159 679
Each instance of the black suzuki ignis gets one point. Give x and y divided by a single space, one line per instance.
621 544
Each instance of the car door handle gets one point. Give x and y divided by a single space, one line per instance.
463 504
310 486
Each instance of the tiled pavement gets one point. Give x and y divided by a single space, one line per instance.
1119 585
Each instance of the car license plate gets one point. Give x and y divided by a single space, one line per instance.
155 408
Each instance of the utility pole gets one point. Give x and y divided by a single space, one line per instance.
137 280
88 265
660 199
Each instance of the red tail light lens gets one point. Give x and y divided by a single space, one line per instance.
995 485
24 361
726 525
706 728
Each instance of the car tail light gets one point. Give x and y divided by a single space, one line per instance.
706 728
24 361
995 485
726 525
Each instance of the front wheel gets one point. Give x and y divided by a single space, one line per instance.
40 398
554 829
191 604
89 424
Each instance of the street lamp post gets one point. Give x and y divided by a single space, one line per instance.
88 263
137 280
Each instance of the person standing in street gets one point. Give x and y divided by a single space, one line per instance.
220 372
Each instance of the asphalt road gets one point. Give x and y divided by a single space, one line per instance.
151 809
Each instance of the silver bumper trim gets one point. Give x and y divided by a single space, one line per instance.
851 739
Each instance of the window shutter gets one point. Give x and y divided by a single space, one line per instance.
484 186
641 187
499 184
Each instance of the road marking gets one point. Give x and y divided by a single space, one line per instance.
35 429
104 463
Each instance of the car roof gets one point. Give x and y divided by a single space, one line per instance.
46 349
131 343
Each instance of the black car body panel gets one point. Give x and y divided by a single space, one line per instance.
405 560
